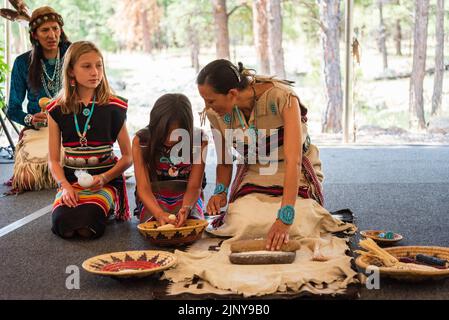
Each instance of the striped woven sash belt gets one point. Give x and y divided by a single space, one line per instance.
89 157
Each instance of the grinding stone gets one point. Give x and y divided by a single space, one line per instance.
262 257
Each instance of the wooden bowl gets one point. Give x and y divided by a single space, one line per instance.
130 264
192 231
410 252
374 234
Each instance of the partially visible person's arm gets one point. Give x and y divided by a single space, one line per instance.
143 184
69 195
223 171
194 186
17 96
278 233
17 93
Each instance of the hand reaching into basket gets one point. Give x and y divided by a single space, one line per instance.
163 218
182 215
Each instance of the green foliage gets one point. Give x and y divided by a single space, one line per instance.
4 69
93 20
241 26
85 19
363 3
306 12
366 16
290 14
180 16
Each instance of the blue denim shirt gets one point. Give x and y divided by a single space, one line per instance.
20 87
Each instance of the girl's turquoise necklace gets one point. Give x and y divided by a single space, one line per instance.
86 112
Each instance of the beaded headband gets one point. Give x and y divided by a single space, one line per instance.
38 21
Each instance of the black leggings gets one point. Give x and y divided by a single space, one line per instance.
67 220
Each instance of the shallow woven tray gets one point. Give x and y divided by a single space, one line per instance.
188 234
374 234
400 252
131 263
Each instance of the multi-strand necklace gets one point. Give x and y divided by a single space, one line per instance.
52 84
252 128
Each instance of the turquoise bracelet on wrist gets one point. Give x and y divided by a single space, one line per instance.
220 188
287 214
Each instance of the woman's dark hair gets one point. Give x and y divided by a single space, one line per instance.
223 76
37 54
169 108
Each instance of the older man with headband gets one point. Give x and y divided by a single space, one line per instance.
36 75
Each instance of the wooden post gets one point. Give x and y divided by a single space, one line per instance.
347 111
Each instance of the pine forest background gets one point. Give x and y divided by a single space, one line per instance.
400 85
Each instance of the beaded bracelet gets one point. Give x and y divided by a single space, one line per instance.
287 214
220 188
28 120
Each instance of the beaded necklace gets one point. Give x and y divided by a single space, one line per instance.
82 136
53 84
252 128
173 171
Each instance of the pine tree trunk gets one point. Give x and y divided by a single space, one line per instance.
260 27
416 103
221 29
276 52
330 18
439 59
398 33
398 37
194 48
145 31
382 35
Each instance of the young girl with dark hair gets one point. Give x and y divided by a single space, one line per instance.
169 164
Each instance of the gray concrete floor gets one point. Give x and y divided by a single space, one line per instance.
404 189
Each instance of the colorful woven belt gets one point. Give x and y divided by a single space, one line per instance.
89 157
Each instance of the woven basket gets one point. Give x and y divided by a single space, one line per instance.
374 234
188 234
130 264
411 252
